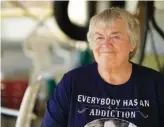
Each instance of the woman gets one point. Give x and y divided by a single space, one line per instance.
109 123
111 87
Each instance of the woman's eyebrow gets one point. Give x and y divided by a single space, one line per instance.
112 33
117 32
97 33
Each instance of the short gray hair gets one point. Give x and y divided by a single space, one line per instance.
107 17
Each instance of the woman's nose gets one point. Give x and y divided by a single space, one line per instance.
108 41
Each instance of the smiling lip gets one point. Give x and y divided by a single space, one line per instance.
106 52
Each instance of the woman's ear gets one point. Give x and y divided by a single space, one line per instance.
133 47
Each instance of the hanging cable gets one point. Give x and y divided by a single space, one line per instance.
157 28
154 47
144 37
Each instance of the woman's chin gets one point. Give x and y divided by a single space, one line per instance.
107 56
107 63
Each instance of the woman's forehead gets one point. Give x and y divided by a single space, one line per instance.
109 31
117 26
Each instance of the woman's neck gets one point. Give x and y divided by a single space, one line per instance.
116 75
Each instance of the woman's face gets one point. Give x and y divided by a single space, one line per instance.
109 124
111 46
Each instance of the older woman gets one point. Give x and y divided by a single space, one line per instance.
111 87
109 123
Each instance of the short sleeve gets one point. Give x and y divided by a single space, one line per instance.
57 110
160 97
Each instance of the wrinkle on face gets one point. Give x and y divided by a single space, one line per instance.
112 45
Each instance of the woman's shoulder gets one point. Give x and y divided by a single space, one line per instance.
83 70
146 71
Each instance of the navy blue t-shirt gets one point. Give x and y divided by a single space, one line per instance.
83 99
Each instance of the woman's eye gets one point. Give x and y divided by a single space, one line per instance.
116 37
99 38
